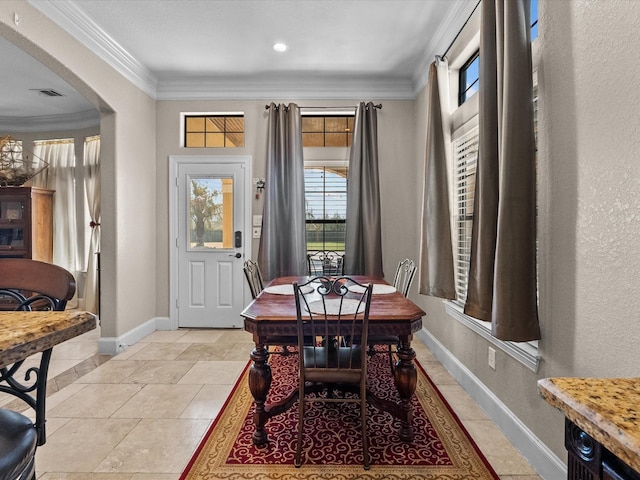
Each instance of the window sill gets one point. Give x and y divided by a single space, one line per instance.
524 352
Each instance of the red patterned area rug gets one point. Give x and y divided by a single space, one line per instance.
332 448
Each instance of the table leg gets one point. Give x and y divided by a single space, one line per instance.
406 377
259 385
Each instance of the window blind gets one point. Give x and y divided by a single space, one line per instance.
465 148
326 207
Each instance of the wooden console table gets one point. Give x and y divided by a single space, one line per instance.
602 426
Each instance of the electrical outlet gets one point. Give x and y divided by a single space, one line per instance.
492 358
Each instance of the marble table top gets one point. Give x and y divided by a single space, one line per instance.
23 334
608 409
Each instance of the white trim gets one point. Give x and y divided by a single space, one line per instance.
328 112
447 29
524 352
285 88
183 115
174 162
79 25
321 156
44 123
541 458
114 345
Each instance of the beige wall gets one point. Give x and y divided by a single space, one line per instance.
398 182
589 212
128 154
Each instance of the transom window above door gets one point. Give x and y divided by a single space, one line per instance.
213 130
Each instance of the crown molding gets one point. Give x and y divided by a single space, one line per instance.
45 123
320 87
441 39
73 20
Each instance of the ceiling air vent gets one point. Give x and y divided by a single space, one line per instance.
49 92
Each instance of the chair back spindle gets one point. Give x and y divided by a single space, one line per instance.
403 278
254 277
327 263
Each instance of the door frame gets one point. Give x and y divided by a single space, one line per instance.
174 162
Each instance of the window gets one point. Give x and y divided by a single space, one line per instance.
469 78
464 147
325 205
213 131
327 131
326 140
534 19
465 155
465 150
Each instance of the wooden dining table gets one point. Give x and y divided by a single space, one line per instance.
271 316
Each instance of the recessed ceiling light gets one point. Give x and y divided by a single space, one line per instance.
280 47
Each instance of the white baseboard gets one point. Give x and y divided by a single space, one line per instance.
541 458
164 323
114 345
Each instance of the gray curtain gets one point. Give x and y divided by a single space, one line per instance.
363 250
436 256
283 247
502 276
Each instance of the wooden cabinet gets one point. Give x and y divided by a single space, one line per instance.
26 223
588 459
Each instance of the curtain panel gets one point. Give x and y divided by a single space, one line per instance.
436 255
363 249
92 189
283 249
502 283
60 176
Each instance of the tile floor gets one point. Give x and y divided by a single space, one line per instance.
140 415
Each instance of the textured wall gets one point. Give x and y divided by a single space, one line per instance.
589 212
589 111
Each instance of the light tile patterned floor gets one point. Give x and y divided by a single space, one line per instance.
140 415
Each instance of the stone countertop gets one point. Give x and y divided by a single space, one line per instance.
23 334
608 409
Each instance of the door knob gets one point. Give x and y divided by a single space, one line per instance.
237 255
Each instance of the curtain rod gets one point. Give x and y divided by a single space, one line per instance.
379 106
459 32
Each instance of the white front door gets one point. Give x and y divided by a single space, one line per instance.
210 244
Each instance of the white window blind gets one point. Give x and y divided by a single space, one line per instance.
326 207
465 149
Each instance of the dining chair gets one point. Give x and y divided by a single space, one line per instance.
254 277
27 285
402 281
403 278
330 315
326 263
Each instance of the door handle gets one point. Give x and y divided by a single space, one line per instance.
237 255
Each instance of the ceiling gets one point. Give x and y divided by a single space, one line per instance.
210 49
